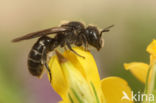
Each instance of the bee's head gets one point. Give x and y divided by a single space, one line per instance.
94 37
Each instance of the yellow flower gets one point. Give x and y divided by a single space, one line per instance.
140 69
77 80
146 72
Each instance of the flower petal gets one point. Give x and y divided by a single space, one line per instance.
113 88
152 48
87 66
61 102
152 59
138 69
79 89
58 79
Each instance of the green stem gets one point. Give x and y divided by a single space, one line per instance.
146 84
147 80
153 83
150 88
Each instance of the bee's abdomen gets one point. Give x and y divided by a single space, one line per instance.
35 58
34 62
35 68
35 65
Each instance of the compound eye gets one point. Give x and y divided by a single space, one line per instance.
92 33
93 37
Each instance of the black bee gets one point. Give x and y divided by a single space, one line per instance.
70 33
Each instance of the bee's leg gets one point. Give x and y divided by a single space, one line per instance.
84 39
70 48
44 60
65 48
47 67
86 46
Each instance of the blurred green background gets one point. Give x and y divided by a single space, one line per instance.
134 20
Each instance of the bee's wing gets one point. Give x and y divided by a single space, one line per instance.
41 33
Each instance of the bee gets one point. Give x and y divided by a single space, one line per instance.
73 32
